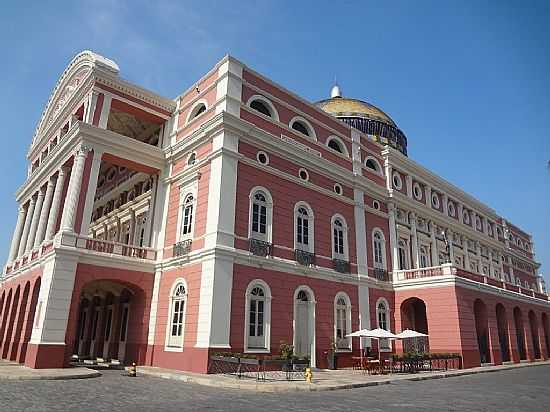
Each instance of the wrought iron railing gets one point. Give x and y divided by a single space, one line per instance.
182 248
340 265
259 247
304 257
381 274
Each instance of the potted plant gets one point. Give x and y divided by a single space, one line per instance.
332 358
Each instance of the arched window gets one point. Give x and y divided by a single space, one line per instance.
339 238
342 316
187 223
197 110
258 316
177 316
302 126
337 145
260 214
379 249
192 159
303 227
424 257
383 319
372 163
402 255
263 106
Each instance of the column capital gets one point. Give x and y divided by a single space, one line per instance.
83 150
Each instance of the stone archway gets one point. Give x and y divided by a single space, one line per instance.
534 328
482 330
503 337
520 336
110 322
413 316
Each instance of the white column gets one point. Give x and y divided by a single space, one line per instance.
56 203
473 219
428 196
17 234
414 242
90 107
460 209
393 237
73 191
466 253
409 184
41 230
132 227
433 240
491 267
90 193
27 228
35 218
478 254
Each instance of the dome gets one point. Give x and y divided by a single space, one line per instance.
365 117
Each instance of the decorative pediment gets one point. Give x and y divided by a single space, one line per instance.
68 85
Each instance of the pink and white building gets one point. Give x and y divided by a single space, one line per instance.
240 215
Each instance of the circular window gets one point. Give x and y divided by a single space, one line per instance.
192 159
466 217
451 209
262 158
338 189
376 204
397 182
417 191
435 200
304 175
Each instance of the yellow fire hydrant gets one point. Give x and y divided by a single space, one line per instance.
132 370
308 375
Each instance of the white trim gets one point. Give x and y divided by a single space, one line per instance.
383 251
396 180
347 330
267 316
261 152
192 115
388 322
379 170
338 188
311 320
306 172
266 101
344 148
179 347
311 226
345 255
269 213
190 189
417 191
311 130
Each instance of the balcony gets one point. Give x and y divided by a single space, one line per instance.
259 247
107 247
381 274
340 265
304 257
448 270
182 248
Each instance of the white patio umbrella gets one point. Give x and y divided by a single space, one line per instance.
410 334
377 334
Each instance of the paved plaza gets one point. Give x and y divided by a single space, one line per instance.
522 389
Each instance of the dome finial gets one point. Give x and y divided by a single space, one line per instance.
335 91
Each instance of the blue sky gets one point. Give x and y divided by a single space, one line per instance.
468 82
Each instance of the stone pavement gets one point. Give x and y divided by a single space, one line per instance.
323 380
15 371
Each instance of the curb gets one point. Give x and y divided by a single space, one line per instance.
315 387
38 377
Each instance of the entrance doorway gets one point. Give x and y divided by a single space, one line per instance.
304 324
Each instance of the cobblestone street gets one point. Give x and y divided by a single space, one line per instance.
524 389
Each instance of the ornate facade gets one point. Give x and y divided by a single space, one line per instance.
240 215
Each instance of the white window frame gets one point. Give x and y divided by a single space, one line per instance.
388 323
269 214
308 126
192 115
345 254
267 316
347 321
376 264
397 182
378 170
191 188
189 202
311 227
268 103
169 345
406 253
344 152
